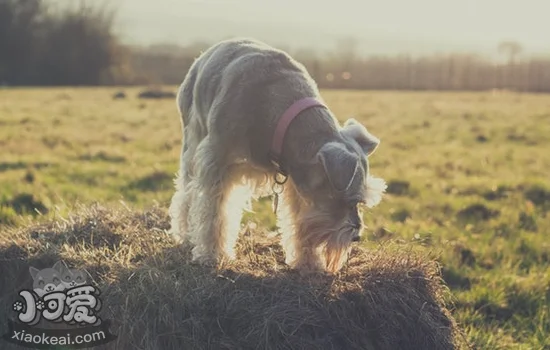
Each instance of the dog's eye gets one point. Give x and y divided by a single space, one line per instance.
79 278
40 283
56 280
67 278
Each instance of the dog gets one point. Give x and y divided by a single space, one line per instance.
254 123
72 277
47 280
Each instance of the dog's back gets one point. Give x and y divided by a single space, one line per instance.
243 86
228 63
222 53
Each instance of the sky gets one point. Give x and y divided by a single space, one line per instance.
381 27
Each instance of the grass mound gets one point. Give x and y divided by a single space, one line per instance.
156 299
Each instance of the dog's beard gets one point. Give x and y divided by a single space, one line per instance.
337 247
332 238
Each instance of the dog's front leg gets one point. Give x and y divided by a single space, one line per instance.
301 252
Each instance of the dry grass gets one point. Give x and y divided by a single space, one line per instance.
158 300
468 176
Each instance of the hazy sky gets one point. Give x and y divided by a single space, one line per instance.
382 26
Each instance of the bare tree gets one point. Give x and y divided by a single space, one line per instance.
511 49
346 53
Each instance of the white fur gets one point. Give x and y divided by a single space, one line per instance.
376 187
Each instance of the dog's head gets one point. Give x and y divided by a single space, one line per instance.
73 277
335 186
47 280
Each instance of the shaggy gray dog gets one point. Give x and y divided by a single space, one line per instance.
231 103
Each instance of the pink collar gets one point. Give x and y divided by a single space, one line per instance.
288 116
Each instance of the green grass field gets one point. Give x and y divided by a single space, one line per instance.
467 173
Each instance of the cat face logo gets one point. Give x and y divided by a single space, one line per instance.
55 279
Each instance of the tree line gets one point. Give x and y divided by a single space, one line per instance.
76 45
40 45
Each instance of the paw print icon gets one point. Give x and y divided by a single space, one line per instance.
40 305
18 306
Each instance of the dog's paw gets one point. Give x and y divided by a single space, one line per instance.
176 235
177 239
309 267
204 260
312 272
229 255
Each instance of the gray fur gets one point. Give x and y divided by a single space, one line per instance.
340 165
358 133
230 102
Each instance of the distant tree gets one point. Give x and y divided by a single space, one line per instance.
20 25
346 55
71 44
309 58
347 47
511 49
78 46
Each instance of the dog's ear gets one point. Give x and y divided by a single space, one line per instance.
34 271
340 165
356 131
60 266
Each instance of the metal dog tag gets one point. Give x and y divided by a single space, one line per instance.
275 203
278 181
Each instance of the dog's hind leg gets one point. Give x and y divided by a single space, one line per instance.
185 191
213 223
193 133
181 200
